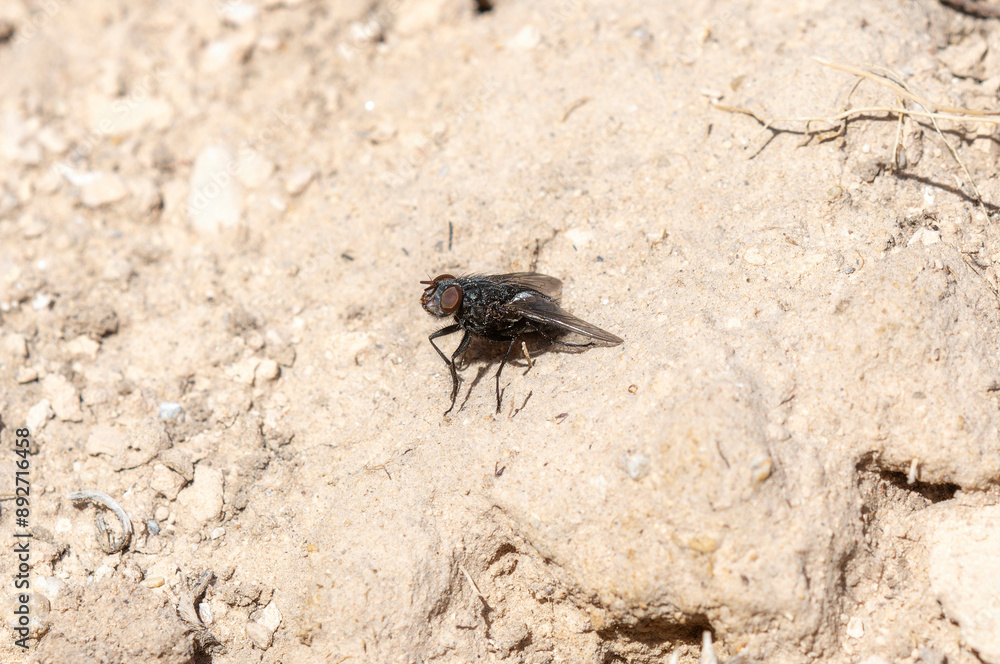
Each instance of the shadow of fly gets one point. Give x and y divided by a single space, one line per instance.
503 307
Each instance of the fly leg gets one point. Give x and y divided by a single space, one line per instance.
502 363
451 363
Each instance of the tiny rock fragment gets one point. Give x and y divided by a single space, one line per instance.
170 411
228 52
215 199
526 39
26 375
754 256
32 226
855 628
760 469
238 13
95 321
64 397
38 415
92 396
511 636
924 236
146 196
16 346
965 59
203 499
107 441
298 180
243 372
104 189
704 543
636 465
255 169
83 346
267 370
270 617
166 482
118 269
260 635
963 575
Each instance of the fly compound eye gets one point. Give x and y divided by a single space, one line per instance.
451 297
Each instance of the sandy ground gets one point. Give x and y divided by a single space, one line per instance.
213 222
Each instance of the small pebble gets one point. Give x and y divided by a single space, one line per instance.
41 301
260 635
636 465
267 370
16 346
83 346
171 411
26 375
237 13
64 397
254 170
932 656
166 482
216 200
203 499
298 180
855 628
104 189
760 469
205 613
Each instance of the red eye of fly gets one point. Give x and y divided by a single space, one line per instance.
451 298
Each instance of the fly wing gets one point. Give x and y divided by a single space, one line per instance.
548 312
542 283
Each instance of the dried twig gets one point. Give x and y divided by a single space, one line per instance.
104 500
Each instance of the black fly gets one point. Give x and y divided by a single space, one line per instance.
503 307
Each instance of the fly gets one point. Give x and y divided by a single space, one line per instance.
503 307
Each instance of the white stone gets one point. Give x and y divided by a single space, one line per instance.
38 415
526 39
254 169
104 189
963 575
267 370
270 617
215 199
16 346
65 398
203 499
298 180
855 628
166 482
83 346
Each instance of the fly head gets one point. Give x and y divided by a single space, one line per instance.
442 297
